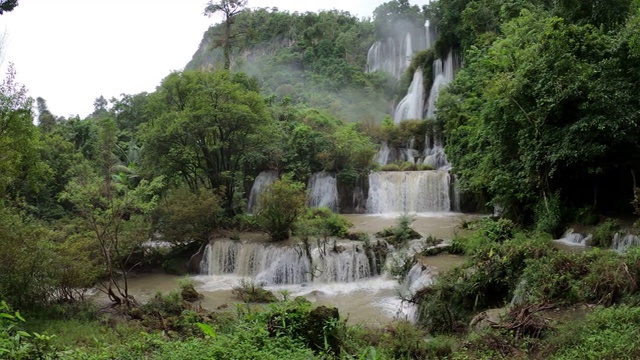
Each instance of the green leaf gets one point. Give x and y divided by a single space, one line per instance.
207 330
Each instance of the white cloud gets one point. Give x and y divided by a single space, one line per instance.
72 51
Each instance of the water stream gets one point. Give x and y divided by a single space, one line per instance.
345 279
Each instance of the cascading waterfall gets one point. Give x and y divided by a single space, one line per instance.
393 54
434 153
443 75
408 191
573 238
274 265
412 105
263 180
323 191
622 242
382 156
383 56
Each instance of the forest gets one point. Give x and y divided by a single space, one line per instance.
527 117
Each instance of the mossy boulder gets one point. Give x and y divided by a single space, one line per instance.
322 329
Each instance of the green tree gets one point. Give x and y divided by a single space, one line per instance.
208 127
18 135
279 207
528 116
46 120
119 220
229 9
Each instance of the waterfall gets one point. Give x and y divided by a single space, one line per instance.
271 264
622 242
412 105
382 156
418 278
442 75
383 56
434 153
408 50
573 238
408 191
263 180
323 191
393 54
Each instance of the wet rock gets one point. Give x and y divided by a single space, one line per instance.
488 318
190 294
322 329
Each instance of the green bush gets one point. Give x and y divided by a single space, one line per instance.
279 206
488 279
548 215
604 233
425 167
17 344
323 222
606 333
401 233
601 277
249 292
390 167
487 231
408 166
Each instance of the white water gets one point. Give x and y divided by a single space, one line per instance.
269 264
412 105
382 156
393 54
408 191
383 56
443 74
575 239
622 242
323 191
434 153
263 179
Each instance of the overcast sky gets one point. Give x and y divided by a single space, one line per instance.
71 51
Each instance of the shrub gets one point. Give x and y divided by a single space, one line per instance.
390 167
18 344
249 292
185 216
409 166
279 207
604 233
488 279
401 233
602 277
548 215
487 231
425 167
610 333
324 222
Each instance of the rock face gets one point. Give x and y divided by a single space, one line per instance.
321 327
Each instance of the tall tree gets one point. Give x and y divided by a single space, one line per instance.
229 9
208 127
18 135
46 120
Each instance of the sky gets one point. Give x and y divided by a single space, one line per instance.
70 52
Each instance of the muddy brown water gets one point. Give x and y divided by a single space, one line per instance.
372 301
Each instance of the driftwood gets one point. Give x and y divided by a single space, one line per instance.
525 320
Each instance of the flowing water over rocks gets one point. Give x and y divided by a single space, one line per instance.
346 279
409 191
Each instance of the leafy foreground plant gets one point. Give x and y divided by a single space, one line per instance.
16 343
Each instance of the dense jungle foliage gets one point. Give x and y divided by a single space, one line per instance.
543 109
541 121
